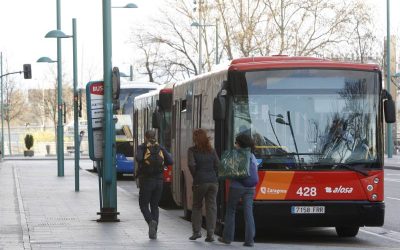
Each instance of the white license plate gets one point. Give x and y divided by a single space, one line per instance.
308 209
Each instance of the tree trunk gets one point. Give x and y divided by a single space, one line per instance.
9 137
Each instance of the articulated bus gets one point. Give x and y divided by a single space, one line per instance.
318 129
124 126
153 111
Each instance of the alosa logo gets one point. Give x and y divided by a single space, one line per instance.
339 190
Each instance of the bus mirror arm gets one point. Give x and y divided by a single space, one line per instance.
389 107
156 119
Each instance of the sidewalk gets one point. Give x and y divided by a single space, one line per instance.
39 210
392 163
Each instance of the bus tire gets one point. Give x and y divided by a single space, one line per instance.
347 231
187 214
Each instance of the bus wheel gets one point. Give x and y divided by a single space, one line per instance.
348 231
187 214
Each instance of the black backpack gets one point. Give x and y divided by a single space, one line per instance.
153 160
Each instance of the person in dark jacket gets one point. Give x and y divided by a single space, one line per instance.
151 185
203 165
242 189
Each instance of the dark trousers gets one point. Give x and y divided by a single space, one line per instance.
207 192
149 196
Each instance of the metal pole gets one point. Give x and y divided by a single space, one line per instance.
109 211
216 41
200 62
60 128
2 108
388 79
131 72
76 124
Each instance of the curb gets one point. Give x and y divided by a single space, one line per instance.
392 167
24 224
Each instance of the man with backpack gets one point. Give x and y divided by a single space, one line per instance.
151 158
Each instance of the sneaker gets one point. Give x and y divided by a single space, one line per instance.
220 239
195 237
246 244
210 239
153 229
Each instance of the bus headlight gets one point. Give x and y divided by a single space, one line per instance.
374 197
376 180
370 188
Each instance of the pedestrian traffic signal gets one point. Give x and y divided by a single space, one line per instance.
27 71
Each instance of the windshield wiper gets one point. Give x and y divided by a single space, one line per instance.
349 167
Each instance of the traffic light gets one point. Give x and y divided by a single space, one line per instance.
27 71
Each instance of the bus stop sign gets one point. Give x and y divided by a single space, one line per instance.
95 114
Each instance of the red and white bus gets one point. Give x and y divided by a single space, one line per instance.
318 128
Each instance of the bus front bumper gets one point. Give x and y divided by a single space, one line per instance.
336 213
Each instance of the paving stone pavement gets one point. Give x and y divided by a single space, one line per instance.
39 210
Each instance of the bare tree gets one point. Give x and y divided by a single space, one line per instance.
362 41
255 28
14 105
46 99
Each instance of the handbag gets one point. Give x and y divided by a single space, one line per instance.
235 164
252 180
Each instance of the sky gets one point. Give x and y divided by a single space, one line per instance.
24 23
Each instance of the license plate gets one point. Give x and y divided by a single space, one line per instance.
308 209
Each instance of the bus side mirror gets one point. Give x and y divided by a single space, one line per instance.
219 108
389 107
156 119
165 101
390 111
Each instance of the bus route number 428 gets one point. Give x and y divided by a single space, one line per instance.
307 191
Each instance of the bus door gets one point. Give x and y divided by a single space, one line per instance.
176 171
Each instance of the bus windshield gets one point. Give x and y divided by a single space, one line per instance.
310 118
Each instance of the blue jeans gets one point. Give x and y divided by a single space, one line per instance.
247 195
150 194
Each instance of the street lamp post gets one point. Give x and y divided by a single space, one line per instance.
198 25
45 59
59 34
109 207
60 128
388 79
216 42
2 107
108 194
127 6
76 123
